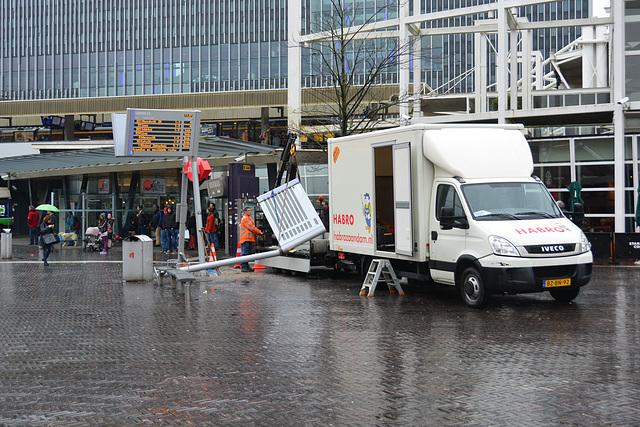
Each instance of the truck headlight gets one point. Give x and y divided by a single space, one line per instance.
584 245
501 246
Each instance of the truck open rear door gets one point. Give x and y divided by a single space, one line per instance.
402 198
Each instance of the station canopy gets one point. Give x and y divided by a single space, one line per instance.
219 151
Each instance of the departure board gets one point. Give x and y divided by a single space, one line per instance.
162 132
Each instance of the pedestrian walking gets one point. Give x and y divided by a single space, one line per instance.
46 230
156 223
104 226
143 221
168 238
110 228
191 226
248 232
210 228
33 219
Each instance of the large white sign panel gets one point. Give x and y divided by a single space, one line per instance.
291 215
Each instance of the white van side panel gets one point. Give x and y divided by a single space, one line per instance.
351 190
352 194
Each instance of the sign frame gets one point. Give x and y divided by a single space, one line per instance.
152 132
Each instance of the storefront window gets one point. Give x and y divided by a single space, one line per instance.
550 151
629 202
594 150
554 176
628 148
628 176
316 185
598 202
598 225
593 176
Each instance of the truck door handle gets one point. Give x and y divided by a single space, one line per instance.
434 235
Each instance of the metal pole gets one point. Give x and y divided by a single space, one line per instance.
84 215
197 206
183 206
247 258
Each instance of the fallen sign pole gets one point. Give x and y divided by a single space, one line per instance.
291 217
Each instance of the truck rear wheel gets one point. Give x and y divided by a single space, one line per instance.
472 289
564 294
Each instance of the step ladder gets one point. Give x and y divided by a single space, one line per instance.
380 269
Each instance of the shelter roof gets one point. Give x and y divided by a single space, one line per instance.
103 160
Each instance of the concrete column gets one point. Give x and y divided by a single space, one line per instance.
618 92
480 75
69 134
294 68
264 119
502 73
403 41
526 70
513 67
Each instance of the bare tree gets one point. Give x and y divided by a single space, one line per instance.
354 64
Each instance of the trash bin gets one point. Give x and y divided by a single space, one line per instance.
6 244
137 258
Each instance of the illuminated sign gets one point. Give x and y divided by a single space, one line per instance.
162 132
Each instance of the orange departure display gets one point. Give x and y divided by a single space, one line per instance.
158 132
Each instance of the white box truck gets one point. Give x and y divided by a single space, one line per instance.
456 205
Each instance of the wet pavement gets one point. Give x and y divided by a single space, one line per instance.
80 347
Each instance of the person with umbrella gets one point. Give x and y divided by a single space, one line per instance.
46 228
50 212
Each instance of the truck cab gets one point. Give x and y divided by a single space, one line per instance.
504 236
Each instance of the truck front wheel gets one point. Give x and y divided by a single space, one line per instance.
472 289
564 294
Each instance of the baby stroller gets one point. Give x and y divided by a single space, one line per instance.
93 240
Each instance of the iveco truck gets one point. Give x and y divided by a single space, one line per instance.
455 205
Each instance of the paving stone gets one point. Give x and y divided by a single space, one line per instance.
80 347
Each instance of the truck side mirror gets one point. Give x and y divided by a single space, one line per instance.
448 220
577 216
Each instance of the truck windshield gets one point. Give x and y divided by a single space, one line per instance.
510 201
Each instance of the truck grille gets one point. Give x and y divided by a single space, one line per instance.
554 272
550 249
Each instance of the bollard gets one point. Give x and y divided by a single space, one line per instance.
6 244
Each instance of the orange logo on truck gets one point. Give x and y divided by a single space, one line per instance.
336 153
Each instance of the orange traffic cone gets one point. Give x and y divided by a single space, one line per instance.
258 266
212 256
238 253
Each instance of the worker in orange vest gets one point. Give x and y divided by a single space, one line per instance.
248 232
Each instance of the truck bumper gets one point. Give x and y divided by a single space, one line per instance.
527 275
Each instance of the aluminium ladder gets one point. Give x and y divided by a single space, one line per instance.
381 269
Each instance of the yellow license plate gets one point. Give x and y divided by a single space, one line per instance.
556 283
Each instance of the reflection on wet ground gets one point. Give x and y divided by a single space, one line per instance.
79 346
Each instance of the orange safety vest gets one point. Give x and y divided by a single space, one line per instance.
248 230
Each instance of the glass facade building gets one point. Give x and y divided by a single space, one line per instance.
51 49
93 48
